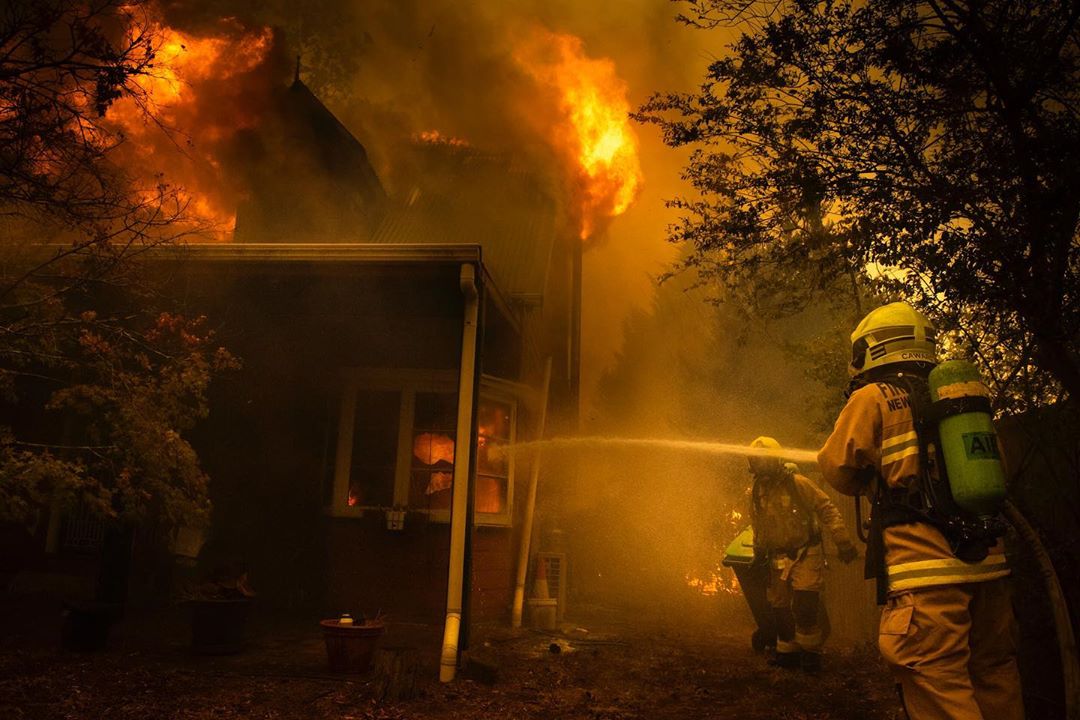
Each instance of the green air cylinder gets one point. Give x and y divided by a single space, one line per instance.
968 441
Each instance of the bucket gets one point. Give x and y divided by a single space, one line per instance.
349 648
543 613
86 624
219 626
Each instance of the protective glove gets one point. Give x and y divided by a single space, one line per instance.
847 553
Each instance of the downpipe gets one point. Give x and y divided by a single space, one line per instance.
459 507
530 507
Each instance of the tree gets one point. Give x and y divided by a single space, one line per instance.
934 144
98 381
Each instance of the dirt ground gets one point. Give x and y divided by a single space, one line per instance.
600 666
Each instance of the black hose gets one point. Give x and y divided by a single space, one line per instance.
1070 665
860 531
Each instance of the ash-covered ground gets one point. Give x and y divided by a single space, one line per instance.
601 664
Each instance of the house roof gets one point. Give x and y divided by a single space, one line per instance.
466 197
319 131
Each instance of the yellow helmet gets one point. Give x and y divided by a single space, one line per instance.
765 465
892 333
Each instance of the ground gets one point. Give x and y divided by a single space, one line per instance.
600 666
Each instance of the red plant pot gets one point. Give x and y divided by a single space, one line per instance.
349 648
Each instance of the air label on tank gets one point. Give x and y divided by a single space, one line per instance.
981 446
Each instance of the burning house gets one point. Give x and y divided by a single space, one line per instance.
396 338
386 368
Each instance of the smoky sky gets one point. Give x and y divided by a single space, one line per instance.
391 68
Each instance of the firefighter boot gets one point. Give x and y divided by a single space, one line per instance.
811 662
786 660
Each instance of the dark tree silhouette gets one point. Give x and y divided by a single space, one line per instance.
938 140
97 382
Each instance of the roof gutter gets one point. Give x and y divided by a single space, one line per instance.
317 253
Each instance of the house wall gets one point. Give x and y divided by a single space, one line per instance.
270 440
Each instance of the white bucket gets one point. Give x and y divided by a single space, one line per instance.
543 612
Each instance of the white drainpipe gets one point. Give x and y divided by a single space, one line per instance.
459 508
530 506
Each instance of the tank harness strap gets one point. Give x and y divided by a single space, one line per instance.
889 507
928 499
797 552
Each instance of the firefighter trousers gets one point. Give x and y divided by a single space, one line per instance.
794 594
952 650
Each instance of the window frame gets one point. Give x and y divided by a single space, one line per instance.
408 382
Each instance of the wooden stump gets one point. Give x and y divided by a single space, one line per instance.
397 671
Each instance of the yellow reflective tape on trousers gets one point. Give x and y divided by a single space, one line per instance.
809 641
947 571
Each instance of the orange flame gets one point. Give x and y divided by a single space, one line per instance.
190 120
434 137
718 581
592 128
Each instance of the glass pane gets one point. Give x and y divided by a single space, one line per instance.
432 449
330 436
494 419
490 494
374 451
436 411
491 457
431 490
434 430
494 434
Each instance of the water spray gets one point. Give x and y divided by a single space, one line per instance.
700 446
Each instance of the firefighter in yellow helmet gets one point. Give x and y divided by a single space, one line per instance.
947 628
788 513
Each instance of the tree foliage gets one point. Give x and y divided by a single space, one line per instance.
934 145
98 380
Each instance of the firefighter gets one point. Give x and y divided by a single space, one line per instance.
947 627
788 513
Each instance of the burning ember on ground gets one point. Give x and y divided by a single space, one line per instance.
592 128
196 88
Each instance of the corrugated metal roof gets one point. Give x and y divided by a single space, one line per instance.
469 198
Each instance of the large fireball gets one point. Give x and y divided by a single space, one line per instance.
592 128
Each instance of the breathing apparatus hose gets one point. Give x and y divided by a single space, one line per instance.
860 530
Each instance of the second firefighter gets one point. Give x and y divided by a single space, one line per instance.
788 513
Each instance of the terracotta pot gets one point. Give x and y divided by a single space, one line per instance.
349 648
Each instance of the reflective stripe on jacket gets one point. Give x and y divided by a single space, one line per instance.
876 429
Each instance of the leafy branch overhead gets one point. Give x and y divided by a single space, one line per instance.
99 379
933 145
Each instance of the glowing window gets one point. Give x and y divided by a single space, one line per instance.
374 448
432 458
492 460
395 447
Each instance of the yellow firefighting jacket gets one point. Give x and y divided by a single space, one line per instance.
876 430
783 522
